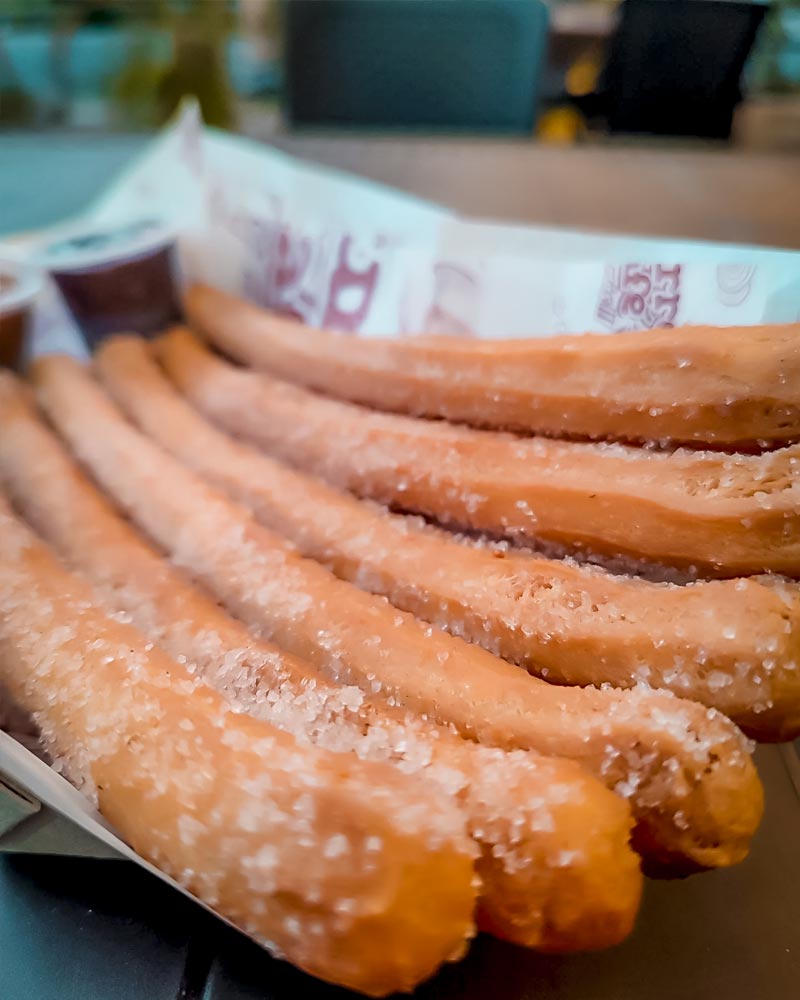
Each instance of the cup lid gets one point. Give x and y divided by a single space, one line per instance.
90 246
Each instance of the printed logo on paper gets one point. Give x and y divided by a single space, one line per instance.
326 280
325 277
639 296
351 287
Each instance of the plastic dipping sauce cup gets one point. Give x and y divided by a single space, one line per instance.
116 280
19 286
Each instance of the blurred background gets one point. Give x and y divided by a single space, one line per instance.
559 71
655 74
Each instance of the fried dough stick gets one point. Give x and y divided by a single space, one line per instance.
341 865
724 386
734 644
730 514
556 869
693 788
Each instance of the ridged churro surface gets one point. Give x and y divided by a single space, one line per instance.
724 386
556 868
727 514
685 769
733 645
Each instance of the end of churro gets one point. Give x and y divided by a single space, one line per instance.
775 716
569 881
413 911
710 800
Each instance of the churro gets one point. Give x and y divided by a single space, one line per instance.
555 865
732 644
343 866
729 514
686 769
724 386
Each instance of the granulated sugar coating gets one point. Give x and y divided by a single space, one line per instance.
233 808
572 624
525 814
606 498
679 760
730 385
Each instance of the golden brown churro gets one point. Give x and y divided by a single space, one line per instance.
718 385
734 644
555 864
692 785
344 866
731 514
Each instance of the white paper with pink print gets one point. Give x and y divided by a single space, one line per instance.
348 254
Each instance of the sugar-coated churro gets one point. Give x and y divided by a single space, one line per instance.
341 865
733 644
718 385
730 514
555 865
685 769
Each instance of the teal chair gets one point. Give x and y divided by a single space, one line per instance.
437 65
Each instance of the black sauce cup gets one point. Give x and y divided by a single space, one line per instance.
115 280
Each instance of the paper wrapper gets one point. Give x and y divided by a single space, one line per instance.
354 256
351 255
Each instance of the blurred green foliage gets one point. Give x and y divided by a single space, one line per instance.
155 78
149 88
